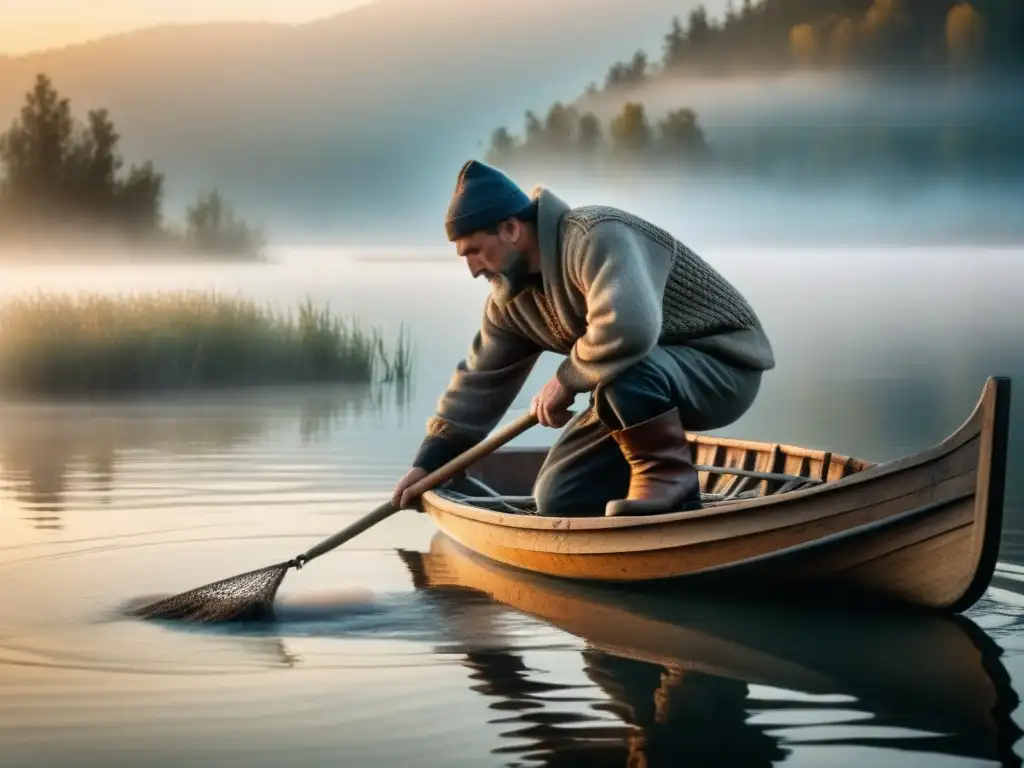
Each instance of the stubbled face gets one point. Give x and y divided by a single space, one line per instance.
496 258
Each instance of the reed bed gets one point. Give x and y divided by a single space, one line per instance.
59 344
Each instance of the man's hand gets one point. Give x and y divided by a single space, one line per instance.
401 499
551 404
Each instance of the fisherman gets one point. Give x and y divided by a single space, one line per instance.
662 343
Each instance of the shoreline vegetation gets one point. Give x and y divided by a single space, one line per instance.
609 129
64 345
62 188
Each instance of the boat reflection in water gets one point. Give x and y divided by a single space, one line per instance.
676 675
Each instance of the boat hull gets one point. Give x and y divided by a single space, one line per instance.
922 530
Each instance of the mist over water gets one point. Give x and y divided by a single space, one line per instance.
821 100
730 211
828 161
705 210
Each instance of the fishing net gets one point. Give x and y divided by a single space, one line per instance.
250 596
245 597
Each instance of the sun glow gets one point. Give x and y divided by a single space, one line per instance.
32 25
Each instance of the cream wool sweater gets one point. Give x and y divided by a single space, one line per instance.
612 287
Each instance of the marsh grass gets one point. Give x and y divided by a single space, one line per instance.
397 367
57 344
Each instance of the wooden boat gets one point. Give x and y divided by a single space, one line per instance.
922 530
930 674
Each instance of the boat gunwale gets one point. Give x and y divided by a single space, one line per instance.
995 388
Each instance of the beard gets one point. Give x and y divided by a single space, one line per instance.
512 279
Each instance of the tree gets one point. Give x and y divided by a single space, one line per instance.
57 167
700 28
57 171
843 41
731 17
681 136
102 160
673 46
965 30
214 228
560 126
627 73
638 67
35 149
534 131
804 43
630 130
503 146
881 14
887 33
91 164
139 197
589 132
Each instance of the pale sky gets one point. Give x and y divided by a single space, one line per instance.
28 25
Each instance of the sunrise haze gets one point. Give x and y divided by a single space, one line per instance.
29 25
346 121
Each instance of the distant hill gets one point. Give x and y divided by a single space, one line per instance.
323 122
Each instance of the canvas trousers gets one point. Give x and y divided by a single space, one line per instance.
585 468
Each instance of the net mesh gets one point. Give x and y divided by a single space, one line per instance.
246 597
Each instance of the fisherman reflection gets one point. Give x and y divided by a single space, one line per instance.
682 716
668 716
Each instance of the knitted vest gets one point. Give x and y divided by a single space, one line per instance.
697 301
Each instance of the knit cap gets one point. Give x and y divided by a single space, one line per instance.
483 196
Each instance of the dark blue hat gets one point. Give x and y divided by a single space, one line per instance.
483 196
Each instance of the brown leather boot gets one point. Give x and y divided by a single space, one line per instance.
662 475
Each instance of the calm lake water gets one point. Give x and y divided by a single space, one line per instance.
379 661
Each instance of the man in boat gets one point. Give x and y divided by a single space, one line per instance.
662 343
